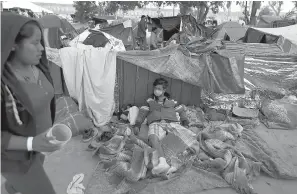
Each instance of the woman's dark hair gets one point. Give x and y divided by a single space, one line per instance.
25 32
164 83
143 16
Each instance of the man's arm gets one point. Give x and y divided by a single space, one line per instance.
182 113
143 112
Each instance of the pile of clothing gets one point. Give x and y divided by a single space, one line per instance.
225 150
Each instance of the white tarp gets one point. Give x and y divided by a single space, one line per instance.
25 5
288 32
90 78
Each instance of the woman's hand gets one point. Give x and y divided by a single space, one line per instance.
41 143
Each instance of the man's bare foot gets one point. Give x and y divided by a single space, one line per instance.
161 167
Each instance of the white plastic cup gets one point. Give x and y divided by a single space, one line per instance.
61 132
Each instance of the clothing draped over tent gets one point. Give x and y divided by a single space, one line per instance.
90 78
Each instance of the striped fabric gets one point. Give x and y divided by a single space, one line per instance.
158 129
12 106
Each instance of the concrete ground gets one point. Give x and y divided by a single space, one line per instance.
73 159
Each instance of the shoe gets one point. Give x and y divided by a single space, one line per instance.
162 167
95 143
89 134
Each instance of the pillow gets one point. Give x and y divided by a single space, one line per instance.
279 114
67 113
195 116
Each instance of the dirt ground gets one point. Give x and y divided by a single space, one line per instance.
73 159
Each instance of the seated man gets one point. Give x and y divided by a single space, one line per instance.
160 113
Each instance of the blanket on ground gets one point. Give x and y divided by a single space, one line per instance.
224 156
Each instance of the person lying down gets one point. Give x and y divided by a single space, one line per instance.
160 113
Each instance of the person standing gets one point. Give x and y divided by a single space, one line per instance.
154 39
141 32
27 106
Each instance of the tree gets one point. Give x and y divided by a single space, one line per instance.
85 10
255 6
244 5
276 6
202 8
250 17
111 7
265 11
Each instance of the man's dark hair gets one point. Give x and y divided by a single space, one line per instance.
164 83
161 81
143 16
154 29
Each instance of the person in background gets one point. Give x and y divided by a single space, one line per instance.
27 106
154 39
160 113
91 24
141 32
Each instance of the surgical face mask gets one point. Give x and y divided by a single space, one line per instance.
158 92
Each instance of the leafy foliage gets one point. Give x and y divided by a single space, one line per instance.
276 6
265 11
201 8
84 10
112 7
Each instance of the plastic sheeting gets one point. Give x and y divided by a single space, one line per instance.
273 73
214 72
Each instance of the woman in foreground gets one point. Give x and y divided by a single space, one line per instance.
27 106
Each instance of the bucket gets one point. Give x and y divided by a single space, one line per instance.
61 132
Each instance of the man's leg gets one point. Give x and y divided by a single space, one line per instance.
156 133
142 43
35 181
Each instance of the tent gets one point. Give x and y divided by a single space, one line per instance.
231 31
267 21
122 32
25 5
97 39
285 38
187 74
54 28
186 23
288 32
